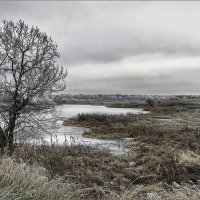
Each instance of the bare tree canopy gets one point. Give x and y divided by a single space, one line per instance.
28 72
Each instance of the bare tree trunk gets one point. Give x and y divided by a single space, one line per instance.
10 130
10 143
3 141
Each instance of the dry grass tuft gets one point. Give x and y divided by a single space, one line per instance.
79 164
24 182
20 181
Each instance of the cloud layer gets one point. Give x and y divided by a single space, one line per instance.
127 47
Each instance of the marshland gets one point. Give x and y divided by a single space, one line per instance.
99 100
161 160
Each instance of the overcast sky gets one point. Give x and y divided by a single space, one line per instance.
120 47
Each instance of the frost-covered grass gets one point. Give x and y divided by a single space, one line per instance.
18 181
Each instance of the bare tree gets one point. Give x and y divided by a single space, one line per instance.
28 72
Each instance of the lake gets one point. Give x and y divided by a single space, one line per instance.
69 135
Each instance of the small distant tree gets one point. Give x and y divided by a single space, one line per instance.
150 101
29 72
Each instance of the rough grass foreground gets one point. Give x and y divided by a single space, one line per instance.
20 181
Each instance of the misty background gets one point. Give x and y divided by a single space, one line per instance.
120 47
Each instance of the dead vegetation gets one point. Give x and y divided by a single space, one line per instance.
23 180
80 164
164 144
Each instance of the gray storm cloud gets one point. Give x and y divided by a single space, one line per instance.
100 42
186 82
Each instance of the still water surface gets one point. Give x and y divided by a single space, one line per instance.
69 134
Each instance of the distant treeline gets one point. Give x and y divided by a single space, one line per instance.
83 98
